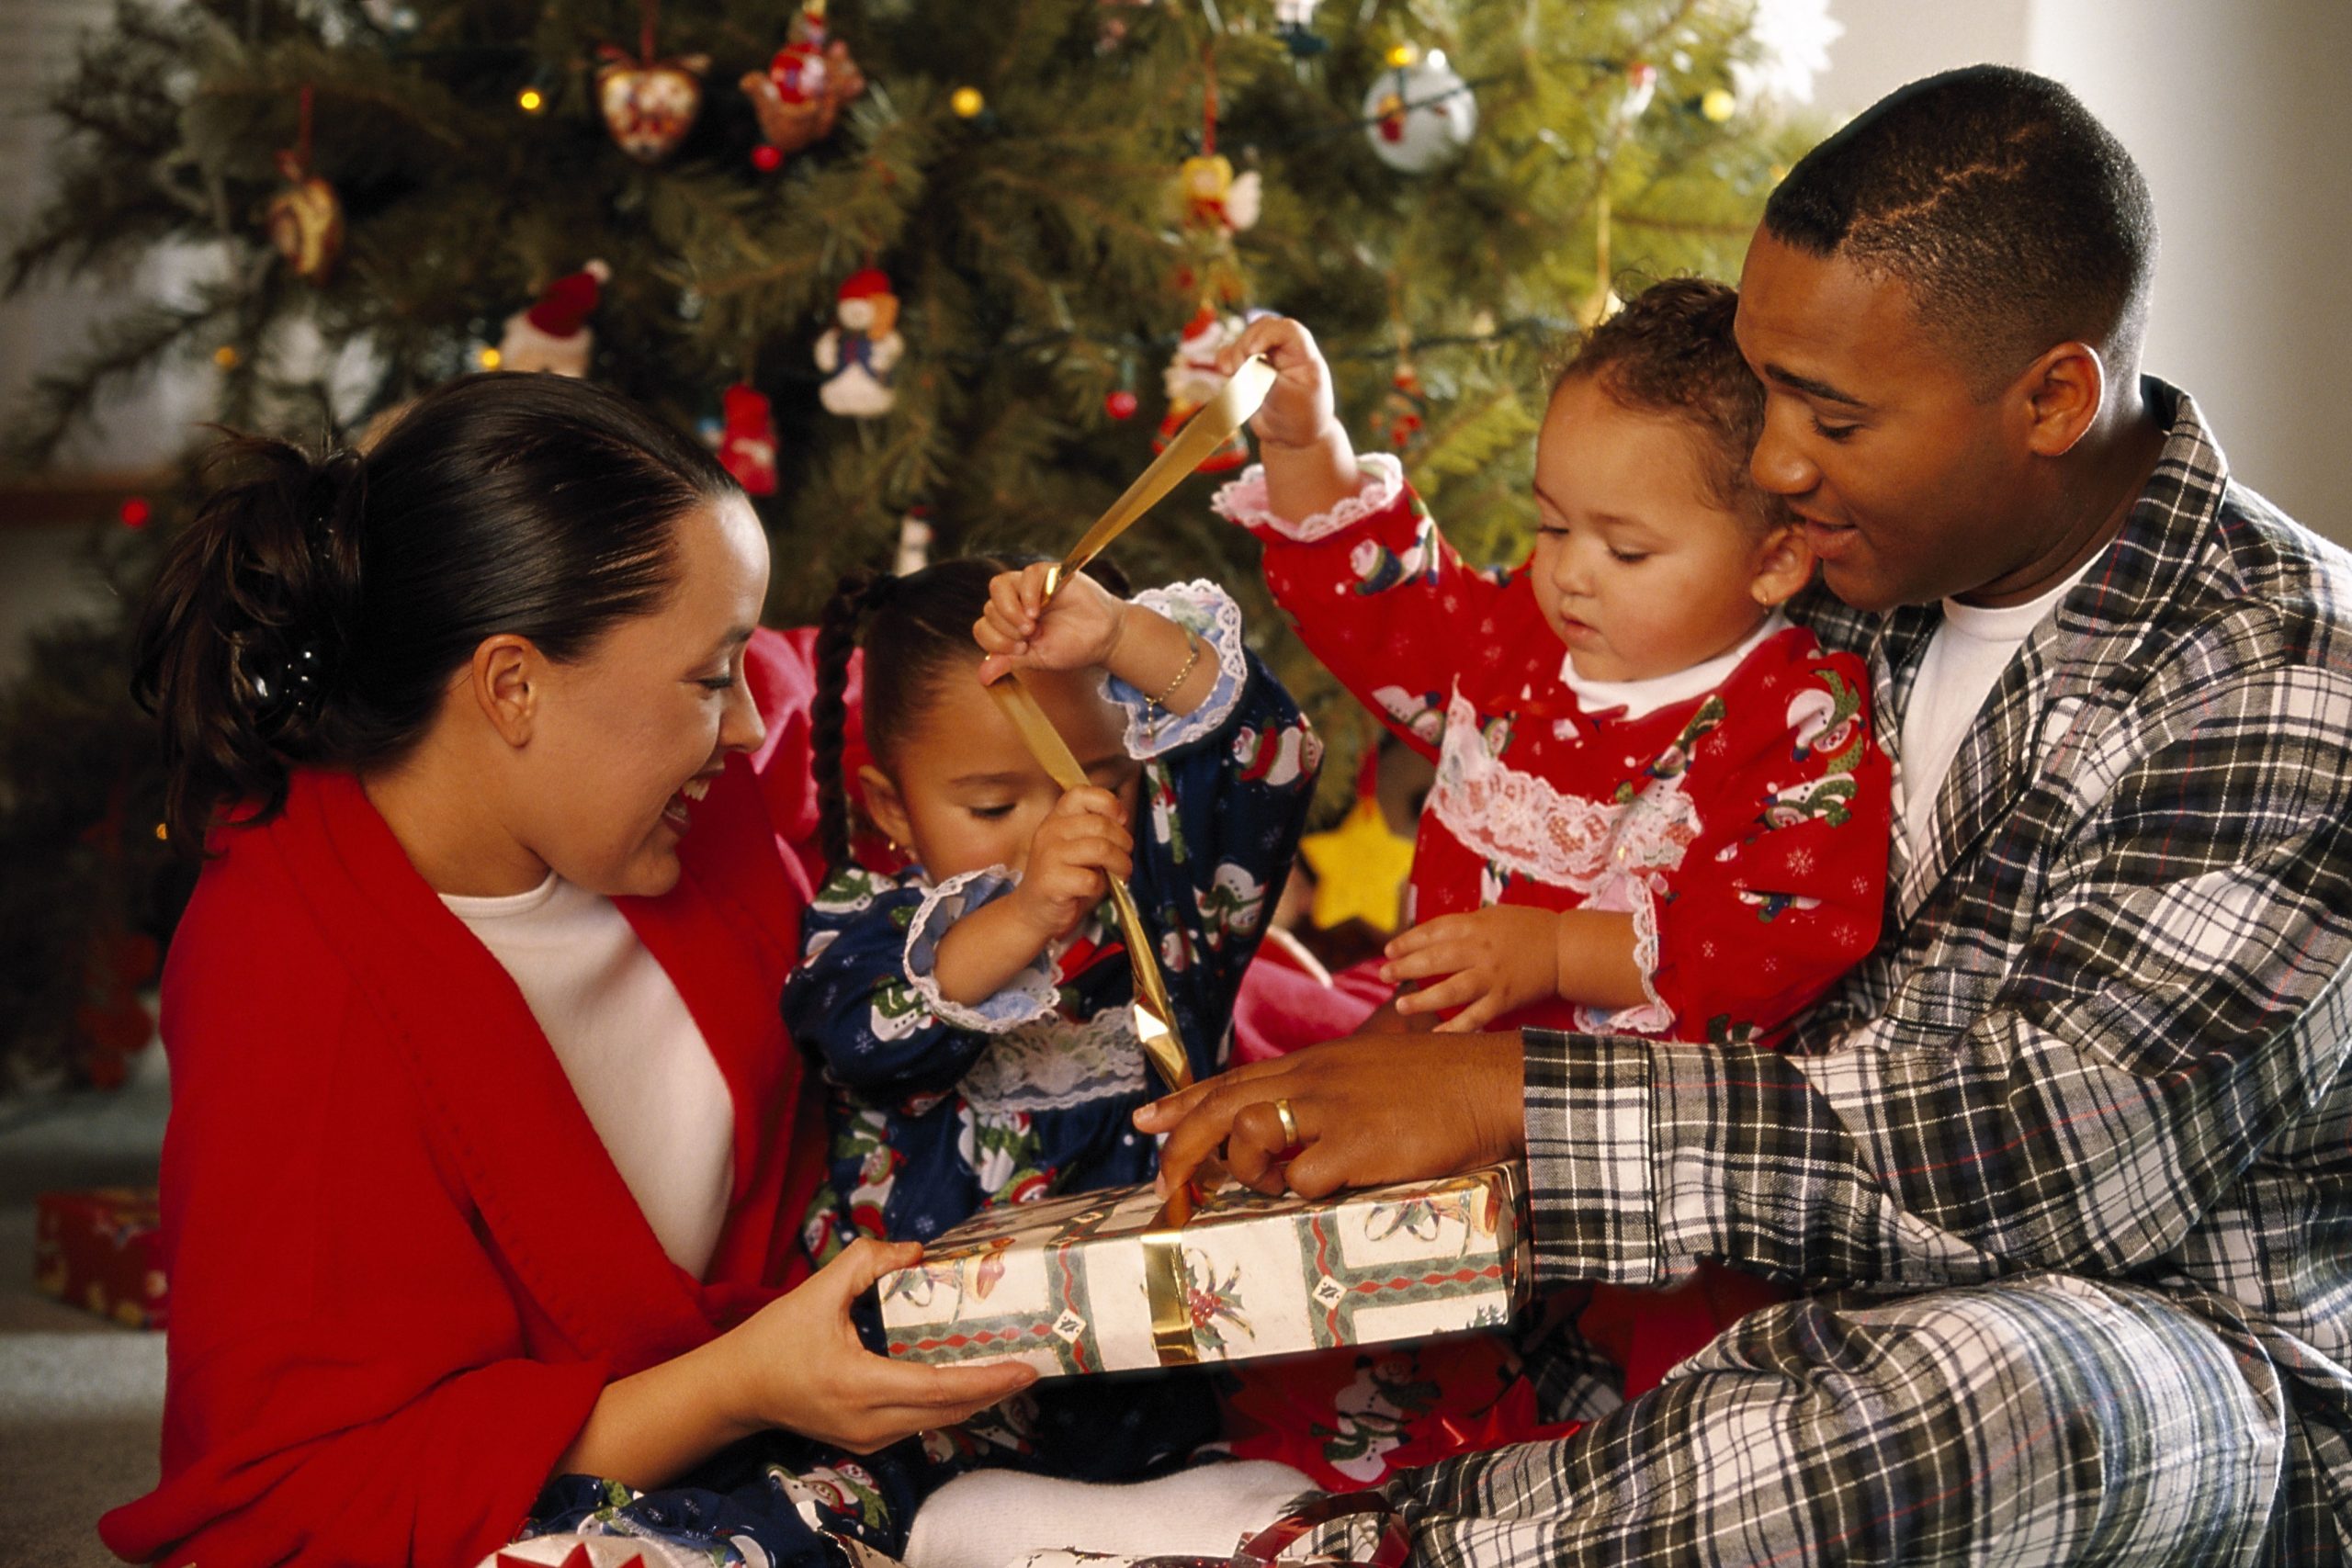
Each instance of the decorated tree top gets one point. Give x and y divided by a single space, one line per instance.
901 258
1048 193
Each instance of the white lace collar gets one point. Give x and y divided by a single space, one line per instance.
1639 699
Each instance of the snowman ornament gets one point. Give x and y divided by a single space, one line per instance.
859 353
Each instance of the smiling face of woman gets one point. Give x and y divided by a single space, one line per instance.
624 742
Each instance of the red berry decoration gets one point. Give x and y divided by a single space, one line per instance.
136 513
1120 404
767 159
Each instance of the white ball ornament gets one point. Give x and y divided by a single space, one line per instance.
1420 114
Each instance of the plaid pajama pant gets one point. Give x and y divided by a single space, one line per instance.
2037 1420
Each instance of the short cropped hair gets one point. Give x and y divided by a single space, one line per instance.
1670 352
2016 220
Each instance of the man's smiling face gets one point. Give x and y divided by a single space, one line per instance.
1912 488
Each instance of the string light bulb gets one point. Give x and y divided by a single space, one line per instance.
488 357
967 102
531 100
227 357
1403 55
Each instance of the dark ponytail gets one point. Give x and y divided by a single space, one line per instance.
916 628
313 612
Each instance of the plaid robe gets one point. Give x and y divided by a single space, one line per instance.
2067 1164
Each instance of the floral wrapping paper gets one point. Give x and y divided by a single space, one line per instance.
1061 1283
101 1250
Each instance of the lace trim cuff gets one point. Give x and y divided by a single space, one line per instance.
1244 501
1208 612
1026 997
1651 1017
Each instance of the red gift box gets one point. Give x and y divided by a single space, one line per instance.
102 1250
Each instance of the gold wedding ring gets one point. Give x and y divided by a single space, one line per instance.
1282 1114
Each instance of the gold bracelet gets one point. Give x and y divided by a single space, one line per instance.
1193 657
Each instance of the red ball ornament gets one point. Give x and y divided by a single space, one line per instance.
767 158
135 513
1121 404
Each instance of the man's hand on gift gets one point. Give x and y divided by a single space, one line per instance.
1370 1110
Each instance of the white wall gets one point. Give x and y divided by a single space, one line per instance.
2238 115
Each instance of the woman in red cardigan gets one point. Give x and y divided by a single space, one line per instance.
481 1167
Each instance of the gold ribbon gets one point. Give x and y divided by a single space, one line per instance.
1166 1287
1215 423
1155 1019
1211 428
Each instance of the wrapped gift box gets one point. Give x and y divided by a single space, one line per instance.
101 1250
1092 1283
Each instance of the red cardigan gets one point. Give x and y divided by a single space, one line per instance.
402 1264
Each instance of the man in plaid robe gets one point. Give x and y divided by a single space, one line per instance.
2067 1165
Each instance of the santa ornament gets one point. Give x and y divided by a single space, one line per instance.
747 439
859 353
649 104
305 219
799 97
553 333
1192 378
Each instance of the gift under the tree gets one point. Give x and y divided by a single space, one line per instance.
101 1250
1099 1281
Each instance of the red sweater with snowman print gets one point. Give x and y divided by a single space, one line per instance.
1742 821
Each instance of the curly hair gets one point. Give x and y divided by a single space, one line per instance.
1670 352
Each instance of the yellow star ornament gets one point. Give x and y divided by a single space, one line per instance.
1360 869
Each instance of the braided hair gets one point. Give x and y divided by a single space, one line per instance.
915 629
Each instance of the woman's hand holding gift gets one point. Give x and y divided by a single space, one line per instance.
798 1363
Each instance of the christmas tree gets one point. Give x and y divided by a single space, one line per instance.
915 259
